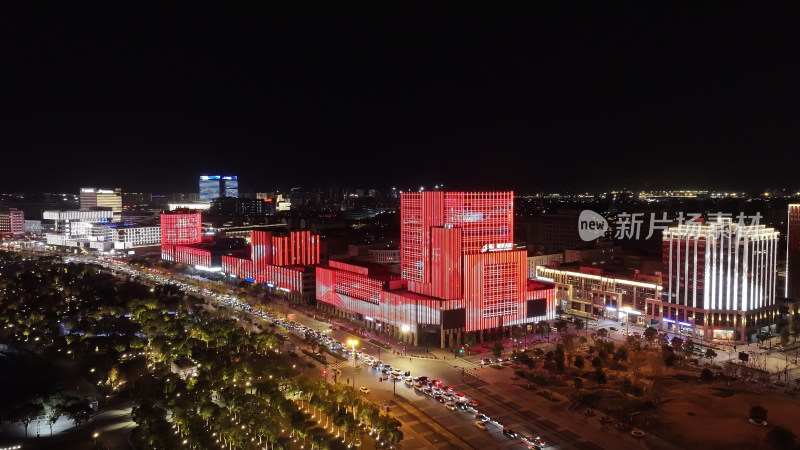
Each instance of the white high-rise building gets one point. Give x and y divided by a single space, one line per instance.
719 280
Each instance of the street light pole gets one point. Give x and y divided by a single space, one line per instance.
353 343
627 310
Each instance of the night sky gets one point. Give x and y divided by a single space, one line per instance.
529 96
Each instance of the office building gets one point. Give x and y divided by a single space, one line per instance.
34 227
77 228
215 186
793 253
93 198
552 233
199 206
12 222
591 292
179 228
229 206
719 281
133 237
283 262
182 241
460 273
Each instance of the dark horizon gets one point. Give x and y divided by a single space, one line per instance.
531 97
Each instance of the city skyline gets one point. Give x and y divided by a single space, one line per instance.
290 225
536 96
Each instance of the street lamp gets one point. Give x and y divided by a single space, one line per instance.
627 310
352 343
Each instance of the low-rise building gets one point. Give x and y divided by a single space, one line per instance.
12 221
184 367
588 292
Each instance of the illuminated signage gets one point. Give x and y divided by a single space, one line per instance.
497 247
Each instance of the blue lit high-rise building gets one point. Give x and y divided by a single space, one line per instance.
209 187
230 184
215 186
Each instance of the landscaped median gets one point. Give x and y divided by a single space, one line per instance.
317 356
380 344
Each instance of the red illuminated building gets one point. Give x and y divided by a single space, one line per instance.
181 228
180 231
281 262
460 273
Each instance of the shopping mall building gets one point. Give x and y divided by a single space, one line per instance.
459 273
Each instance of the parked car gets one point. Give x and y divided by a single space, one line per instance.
450 405
613 328
481 425
482 417
364 389
510 432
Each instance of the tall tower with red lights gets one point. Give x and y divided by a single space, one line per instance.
458 245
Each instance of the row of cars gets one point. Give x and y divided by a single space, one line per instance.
456 401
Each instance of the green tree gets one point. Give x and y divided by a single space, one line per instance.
543 327
688 346
710 353
558 355
795 329
706 375
78 411
561 325
497 349
621 354
786 335
650 333
580 362
54 407
758 413
600 376
669 357
579 324
27 412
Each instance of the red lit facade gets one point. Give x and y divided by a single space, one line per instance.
459 272
298 248
186 255
494 288
280 262
179 231
181 228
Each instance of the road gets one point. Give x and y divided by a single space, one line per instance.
113 427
